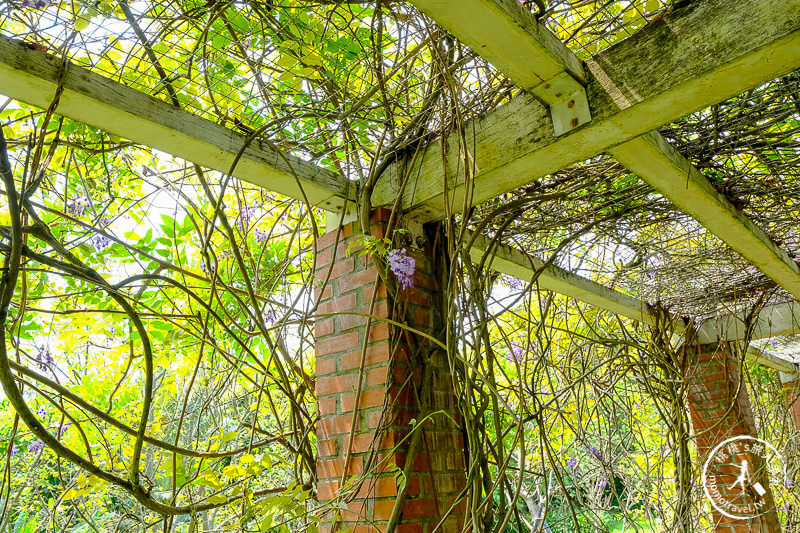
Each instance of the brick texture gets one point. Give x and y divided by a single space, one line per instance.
792 390
720 409
389 375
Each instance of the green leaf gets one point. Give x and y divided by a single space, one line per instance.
286 61
81 23
217 498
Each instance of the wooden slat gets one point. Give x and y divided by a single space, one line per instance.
30 76
507 35
773 321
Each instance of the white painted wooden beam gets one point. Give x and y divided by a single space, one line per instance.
652 159
507 260
774 320
31 76
697 56
506 34
786 368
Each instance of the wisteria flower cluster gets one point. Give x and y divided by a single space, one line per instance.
78 206
247 215
595 451
572 463
517 351
35 446
101 242
512 282
44 360
38 4
402 265
261 235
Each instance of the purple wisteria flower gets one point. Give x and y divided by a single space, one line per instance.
63 429
402 265
14 450
595 451
78 206
789 484
516 353
512 282
261 236
38 4
45 359
247 215
41 411
602 484
572 463
100 242
35 446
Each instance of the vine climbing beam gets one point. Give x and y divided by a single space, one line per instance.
695 57
32 76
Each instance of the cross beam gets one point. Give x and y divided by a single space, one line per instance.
774 320
655 161
695 57
488 26
31 76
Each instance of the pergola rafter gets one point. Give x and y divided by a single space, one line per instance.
660 74
773 320
32 76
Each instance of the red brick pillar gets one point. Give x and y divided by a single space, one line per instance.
791 387
401 377
720 409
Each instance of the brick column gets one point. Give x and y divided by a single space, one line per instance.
791 387
720 409
402 378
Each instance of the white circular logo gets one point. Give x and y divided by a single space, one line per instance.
736 474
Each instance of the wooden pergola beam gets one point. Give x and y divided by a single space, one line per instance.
492 27
699 55
31 76
774 320
507 260
655 161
